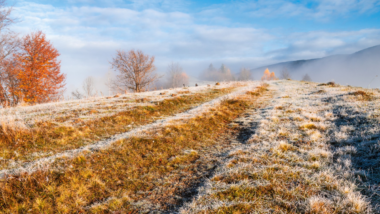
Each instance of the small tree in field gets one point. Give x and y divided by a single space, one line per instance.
176 77
245 74
285 74
268 76
40 78
306 78
89 87
9 46
136 71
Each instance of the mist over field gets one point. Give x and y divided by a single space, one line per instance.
357 69
196 34
190 106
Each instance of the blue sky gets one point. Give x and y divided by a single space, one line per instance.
239 33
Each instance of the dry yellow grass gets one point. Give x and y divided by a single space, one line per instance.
362 95
133 174
48 137
286 166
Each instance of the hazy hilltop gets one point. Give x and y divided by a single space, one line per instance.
357 69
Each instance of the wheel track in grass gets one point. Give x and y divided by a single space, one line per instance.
45 163
21 146
221 192
210 157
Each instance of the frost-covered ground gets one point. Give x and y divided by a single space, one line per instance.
44 163
96 107
314 149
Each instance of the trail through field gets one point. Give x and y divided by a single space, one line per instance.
44 163
313 149
30 115
290 147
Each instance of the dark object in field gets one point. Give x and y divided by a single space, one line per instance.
217 83
142 100
93 111
362 95
332 84
196 85
319 92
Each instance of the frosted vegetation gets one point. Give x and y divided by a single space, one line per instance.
292 147
315 150
90 108
138 131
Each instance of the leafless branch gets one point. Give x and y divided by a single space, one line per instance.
176 77
136 71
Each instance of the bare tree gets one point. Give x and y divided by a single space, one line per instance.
285 74
306 78
226 74
213 74
176 77
89 87
10 94
245 74
77 95
109 80
136 71
9 45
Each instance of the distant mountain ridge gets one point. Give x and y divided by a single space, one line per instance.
358 68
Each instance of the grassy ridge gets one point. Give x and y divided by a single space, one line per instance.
132 175
48 138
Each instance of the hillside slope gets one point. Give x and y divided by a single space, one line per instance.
274 147
354 69
314 149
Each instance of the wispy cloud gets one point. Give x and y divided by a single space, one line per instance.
311 9
88 32
317 44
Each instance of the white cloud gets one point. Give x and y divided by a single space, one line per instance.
345 6
316 44
312 9
88 36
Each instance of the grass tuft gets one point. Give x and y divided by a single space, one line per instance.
331 84
362 95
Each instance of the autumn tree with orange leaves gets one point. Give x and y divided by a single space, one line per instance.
39 75
268 76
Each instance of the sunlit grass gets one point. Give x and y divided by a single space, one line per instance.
155 170
48 138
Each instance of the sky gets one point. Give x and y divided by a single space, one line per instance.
195 33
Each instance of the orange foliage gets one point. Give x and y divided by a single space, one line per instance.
268 75
40 79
